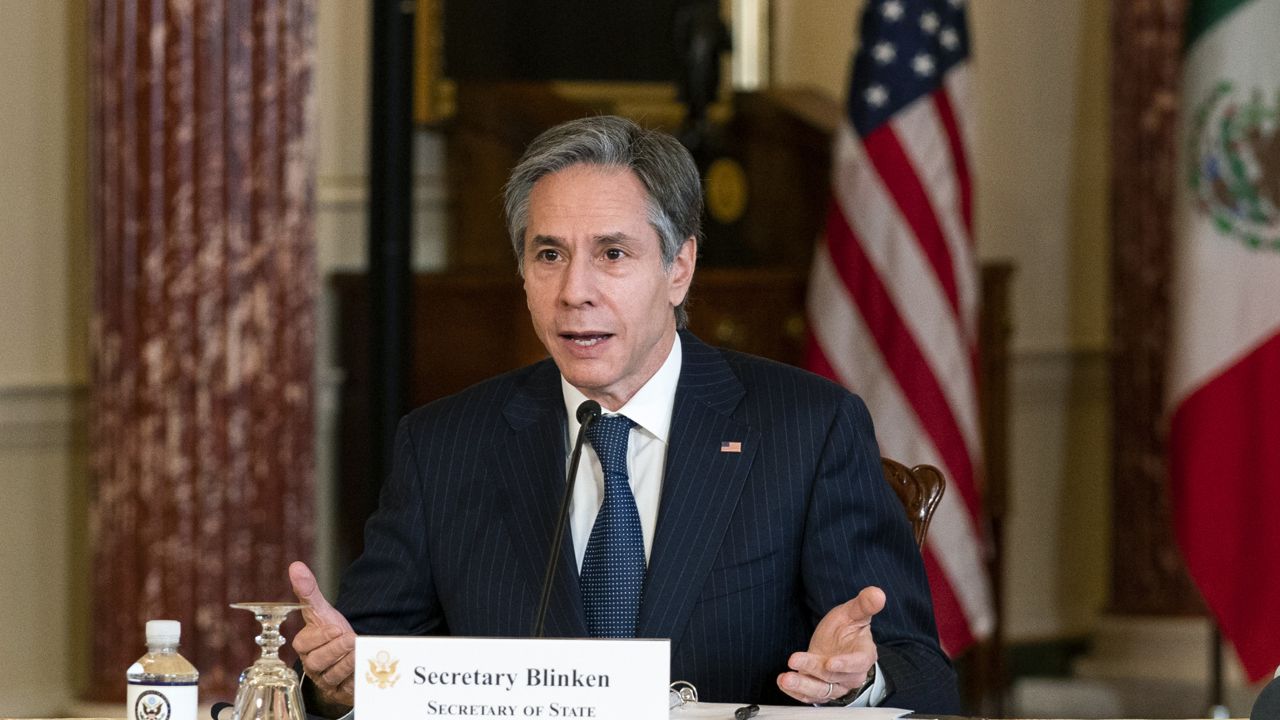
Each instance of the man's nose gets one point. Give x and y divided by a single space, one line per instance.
579 282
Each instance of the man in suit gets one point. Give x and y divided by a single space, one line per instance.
729 503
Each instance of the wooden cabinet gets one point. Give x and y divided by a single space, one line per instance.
469 326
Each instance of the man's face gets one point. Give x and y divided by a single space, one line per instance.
600 299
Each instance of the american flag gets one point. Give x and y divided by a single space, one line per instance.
893 295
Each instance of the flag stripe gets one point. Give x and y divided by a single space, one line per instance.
1203 15
1226 487
903 358
957 84
961 608
844 351
922 134
887 240
953 626
1222 384
959 160
894 290
953 535
908 194
951 617
955 540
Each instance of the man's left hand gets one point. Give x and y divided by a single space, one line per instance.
841 652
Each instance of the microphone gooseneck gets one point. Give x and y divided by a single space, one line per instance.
587 413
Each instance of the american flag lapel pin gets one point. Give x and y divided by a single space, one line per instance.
730 446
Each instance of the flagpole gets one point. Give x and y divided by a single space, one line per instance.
1217 703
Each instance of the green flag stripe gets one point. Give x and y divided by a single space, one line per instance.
1203 14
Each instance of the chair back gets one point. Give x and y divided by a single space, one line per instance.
920 488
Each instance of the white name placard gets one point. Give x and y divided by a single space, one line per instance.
412 678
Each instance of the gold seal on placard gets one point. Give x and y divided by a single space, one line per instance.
726 190
382 670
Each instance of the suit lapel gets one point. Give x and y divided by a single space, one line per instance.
700 488
530 470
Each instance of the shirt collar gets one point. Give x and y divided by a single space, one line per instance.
652 405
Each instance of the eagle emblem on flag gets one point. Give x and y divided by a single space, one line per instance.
1234 156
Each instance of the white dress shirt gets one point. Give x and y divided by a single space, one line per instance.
650 409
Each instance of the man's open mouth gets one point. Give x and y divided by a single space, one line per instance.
586 339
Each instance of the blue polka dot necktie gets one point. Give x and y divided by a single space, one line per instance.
612 576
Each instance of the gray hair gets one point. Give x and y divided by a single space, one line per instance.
659 161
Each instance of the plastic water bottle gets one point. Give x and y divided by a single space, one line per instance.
162 684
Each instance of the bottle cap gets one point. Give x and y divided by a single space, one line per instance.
163 632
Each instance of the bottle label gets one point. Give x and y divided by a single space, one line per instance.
161 702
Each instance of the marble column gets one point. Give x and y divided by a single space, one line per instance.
204 323
1148 575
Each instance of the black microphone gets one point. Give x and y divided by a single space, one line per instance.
1267 706
587 413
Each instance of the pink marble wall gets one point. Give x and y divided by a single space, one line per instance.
204 322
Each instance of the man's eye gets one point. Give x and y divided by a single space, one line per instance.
614 254
548 255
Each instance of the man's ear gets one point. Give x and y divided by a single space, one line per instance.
680 275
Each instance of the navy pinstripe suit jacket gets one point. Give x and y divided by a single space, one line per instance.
751 549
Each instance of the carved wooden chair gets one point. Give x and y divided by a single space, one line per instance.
920 489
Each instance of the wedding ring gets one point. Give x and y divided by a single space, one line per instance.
830 687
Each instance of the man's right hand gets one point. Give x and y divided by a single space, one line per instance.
327 644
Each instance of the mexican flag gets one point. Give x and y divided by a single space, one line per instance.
1223 388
